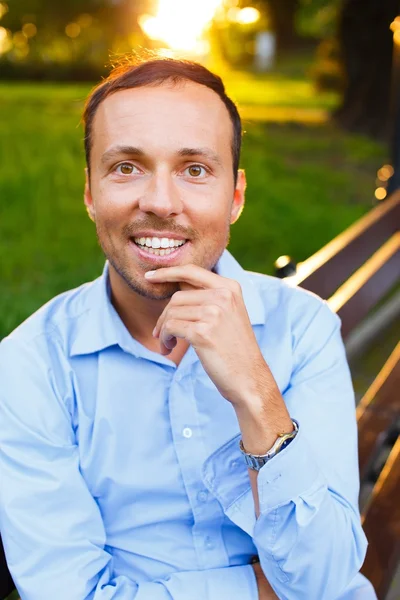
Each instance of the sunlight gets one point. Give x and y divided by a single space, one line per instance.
181 24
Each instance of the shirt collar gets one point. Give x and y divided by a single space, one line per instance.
102 326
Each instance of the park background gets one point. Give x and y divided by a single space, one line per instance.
316 115
316 82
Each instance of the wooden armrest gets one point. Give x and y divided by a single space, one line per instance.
378 410
381 523
369 284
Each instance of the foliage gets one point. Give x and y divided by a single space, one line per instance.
305 186
318 18
73 33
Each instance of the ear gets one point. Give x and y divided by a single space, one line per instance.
239 196
87 197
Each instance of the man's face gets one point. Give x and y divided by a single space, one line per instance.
161 174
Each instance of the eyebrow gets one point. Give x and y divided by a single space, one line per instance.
205 152
117 151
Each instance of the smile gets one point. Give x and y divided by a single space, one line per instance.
158 246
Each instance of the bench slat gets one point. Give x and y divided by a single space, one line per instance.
378 409
381 523
328 268
367 286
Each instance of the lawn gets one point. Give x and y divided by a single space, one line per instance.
306 183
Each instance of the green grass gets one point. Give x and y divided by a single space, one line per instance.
306 184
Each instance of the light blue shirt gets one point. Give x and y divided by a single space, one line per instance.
121 474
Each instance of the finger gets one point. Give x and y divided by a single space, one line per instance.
182 312
195 297
190 274
173 329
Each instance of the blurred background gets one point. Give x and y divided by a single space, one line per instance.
317 83
312 79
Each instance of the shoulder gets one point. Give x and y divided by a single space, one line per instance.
51 325
296 308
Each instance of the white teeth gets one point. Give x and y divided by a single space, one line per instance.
162 252
156 242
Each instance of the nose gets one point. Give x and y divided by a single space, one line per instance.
161 197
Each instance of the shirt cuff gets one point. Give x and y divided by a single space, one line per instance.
289 474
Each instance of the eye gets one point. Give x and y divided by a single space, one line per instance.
125 169
196 171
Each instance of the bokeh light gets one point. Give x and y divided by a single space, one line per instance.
5 40
248 15
385 172
380 193
3 9
29 29
72 30
85 20
20 40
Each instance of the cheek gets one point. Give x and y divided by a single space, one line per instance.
213 215
113 203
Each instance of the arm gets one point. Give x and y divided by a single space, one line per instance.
308 531
51 526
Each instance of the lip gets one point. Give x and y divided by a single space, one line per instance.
158 234
171 259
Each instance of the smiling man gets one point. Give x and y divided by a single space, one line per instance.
178 429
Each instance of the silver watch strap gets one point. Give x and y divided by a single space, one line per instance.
257 461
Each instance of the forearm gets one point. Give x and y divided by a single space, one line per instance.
261 420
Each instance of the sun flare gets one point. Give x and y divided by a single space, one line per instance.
181 23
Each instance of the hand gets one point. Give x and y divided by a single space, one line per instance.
265 591
209 312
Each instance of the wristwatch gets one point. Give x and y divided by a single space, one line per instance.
256 461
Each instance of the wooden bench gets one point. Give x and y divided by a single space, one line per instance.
354 272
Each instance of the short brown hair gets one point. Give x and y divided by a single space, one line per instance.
134 72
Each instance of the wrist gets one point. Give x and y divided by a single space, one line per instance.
261 425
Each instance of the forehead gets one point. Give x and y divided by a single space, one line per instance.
160 117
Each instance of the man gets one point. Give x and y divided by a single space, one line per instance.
170 422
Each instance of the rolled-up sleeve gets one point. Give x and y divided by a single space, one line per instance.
52 529
308 535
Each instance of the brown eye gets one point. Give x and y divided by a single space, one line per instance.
195 170
126 169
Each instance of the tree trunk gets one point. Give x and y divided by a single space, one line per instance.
366 49
283 13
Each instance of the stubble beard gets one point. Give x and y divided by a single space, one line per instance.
121 266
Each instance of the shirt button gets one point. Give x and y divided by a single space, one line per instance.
209 543
234 464
187 432
202 496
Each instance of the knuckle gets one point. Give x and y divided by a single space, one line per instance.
225 294
204 331
236 287
169 325
213 310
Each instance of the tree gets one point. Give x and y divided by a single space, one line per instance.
283 20
366 44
